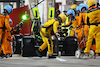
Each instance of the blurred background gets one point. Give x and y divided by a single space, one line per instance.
43 7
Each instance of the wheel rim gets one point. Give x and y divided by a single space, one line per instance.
77 54
91 54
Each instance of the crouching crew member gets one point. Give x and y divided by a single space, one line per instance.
46 34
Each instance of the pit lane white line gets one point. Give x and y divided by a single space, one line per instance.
16 57
13 58
62 60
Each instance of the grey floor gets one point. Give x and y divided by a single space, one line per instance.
64 61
